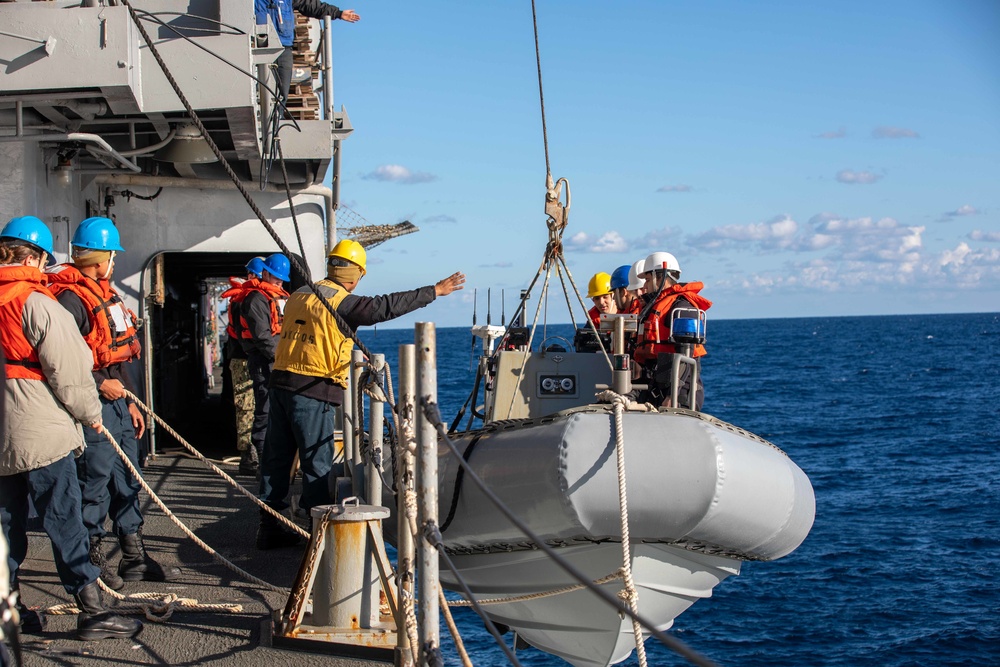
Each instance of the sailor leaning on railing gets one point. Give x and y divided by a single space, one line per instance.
50 392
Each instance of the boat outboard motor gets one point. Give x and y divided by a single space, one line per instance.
687 329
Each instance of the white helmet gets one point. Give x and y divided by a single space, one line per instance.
634 281
660 260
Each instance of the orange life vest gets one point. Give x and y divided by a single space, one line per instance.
276 297
595 317
17 283
635 307
112 338
652 339
235 294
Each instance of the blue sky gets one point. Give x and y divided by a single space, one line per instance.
801 159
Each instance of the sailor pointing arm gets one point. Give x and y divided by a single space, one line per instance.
310 376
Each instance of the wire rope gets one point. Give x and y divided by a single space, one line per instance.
345 328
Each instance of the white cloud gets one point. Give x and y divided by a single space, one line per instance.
675 188
978 235
857 177
839 133
889 132
863 253
610 241
775 234
613 242
960 212
394 173
497 265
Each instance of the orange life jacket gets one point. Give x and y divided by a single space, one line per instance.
635 307
652 340
235 294
595 317
17 283
276 297
112 337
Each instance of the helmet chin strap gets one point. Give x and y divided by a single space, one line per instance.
111 264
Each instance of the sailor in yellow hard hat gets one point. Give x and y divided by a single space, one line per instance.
599 291
310 375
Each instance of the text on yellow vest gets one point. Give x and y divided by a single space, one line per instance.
311 343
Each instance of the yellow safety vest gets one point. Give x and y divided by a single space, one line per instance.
311 343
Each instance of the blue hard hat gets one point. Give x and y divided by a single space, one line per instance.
277 265
97 234
255 266
31 229
619 279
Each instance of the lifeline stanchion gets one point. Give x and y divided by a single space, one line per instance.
356 463
406 648
427 512
376 423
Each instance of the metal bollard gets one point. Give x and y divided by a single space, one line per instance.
346 590
427 492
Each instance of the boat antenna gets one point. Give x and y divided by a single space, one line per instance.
503 308
489 305
472 350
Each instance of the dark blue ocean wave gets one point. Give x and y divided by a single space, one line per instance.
896 422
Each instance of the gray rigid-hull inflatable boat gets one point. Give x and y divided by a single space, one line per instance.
702 497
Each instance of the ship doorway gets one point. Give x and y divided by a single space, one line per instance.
188 359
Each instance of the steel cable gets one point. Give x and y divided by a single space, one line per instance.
341 323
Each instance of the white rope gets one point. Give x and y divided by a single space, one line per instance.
157 607
406 444
187 531
628 594
221 473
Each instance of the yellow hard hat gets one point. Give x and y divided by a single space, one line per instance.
352 251
599 285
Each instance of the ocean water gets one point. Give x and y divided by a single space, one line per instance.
896 421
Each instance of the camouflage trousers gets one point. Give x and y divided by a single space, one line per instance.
242 402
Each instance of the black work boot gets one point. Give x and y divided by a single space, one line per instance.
96 622
248 462
272 535
100 559
137 565
31 622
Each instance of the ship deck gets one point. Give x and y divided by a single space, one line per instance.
225 520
